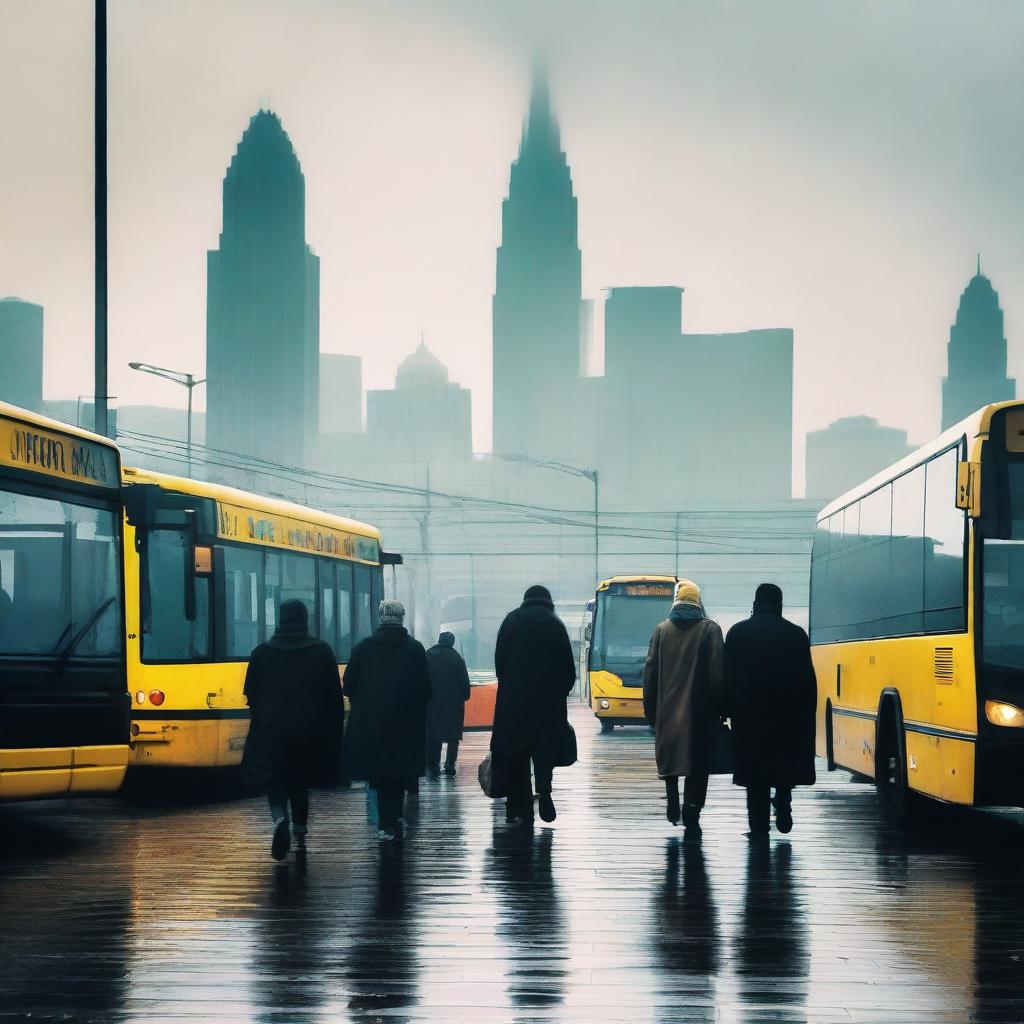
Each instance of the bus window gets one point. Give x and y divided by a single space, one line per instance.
242 610
298 582
167 635
343 572
376 594
905 594
328 603
944 548
363 592
1003 629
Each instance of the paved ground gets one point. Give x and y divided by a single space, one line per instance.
171 909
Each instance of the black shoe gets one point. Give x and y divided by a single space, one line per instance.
433 773
759 837
693 833
282 841
546 807
783 817
672 810
449 769
691 816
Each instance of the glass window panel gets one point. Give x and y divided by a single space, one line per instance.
363 593
871 564
328 603
343 574
943 547
376 594
905 594
1003 604
298 582
167 635
271 592
242 568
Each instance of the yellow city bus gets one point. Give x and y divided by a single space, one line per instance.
917 620
206 569
626 609
63 697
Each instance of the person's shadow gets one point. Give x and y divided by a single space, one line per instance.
685 933
532 920
772 947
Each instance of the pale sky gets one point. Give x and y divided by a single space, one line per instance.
830 166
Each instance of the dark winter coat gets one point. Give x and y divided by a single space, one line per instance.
449 680
684 691
536 672
294 693
387 683
771 696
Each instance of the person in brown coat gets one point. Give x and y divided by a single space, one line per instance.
684 691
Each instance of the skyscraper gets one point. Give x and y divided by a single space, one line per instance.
976 353
21 353
263 305
536 310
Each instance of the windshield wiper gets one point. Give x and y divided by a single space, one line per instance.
64 656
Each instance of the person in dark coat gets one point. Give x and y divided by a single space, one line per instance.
683 700
294 692
387 682
771 699
446 712
536 672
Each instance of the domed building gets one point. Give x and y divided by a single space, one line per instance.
976 354
424 418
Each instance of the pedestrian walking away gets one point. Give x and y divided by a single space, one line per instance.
536 672
683 701
387 682
446 712
294 693
771 696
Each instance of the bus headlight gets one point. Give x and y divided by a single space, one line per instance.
999 713
605 705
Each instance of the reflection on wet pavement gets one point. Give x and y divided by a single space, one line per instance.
171 909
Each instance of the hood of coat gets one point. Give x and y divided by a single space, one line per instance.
683 614
292 641
389 633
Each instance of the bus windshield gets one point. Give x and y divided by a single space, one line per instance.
622 631
60 591
1003 604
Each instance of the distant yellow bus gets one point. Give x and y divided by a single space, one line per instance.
917 620
206 570
63 701
625 611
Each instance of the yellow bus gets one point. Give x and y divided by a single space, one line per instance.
625 611
63 698
205 571
917 620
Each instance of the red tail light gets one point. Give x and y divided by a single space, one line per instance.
156 697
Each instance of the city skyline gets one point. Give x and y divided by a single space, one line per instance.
881 277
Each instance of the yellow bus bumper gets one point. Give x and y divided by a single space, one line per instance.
612 701
214 742
40 772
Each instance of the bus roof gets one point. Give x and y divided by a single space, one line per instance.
641 578
15 412
975 428
257 502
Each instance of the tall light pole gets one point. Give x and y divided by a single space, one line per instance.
187 381
100 424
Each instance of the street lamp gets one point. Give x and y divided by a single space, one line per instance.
187 381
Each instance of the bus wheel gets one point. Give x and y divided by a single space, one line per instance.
830 753
898 801
606 726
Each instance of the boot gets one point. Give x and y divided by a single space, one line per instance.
691 822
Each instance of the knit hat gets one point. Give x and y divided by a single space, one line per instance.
687 592
391 613
293 618
768 597
539 594
446 639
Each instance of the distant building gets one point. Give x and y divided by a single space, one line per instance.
263 305
78 412
21 353
425 418
976 354
341 394
849 451
536 310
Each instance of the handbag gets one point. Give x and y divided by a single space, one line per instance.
565 751
485 777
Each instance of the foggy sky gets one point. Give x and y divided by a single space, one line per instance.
829 166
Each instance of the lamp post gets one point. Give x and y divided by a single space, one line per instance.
187 381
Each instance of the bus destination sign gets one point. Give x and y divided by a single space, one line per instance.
61 456
649 589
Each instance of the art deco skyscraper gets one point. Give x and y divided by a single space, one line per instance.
263 305
977 354
536 310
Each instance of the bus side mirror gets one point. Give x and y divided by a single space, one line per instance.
968 488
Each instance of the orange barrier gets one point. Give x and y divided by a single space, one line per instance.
480 706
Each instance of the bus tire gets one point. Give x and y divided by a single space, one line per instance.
606 726
899 802
830 753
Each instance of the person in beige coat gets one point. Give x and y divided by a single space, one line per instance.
684 694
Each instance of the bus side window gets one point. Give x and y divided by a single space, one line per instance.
242 567
343 574
376 593
363 594
328 604
167 635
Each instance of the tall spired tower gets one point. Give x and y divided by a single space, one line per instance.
263 305
536 311
977 354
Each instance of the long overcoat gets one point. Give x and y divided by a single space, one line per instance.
684 693
449 680
387 683
771 698
298 715
536 672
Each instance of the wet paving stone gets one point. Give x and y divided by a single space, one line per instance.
165 906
